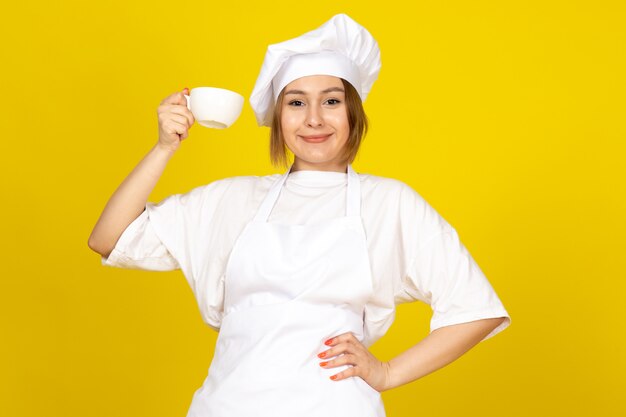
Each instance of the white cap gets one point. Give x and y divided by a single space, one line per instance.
340 47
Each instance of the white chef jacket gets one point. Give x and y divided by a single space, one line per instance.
415 255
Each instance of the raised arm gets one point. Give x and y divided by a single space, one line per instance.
129 199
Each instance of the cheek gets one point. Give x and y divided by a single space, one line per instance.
343 125
288 131
288 123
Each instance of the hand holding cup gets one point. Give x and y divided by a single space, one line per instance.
175 120
211 107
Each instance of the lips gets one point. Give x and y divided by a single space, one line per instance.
316 138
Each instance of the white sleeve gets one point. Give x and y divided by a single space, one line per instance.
166 236
442 273
139 247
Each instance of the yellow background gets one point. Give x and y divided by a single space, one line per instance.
508 117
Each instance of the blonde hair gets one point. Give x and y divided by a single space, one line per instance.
357 120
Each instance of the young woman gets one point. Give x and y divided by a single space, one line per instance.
301 272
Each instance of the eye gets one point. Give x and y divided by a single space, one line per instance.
295 103
333 101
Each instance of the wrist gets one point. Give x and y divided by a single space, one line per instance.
164 150
387 372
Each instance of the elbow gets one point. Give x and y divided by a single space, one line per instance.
499 320
495 322
489 324
97 247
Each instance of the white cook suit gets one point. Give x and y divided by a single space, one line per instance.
409 252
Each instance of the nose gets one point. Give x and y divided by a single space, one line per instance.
314 116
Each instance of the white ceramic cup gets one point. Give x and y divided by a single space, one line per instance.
214 107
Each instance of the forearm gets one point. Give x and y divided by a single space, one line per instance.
438 349
128 201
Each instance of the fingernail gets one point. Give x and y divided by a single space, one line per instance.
333 377
328 342
322 355
323 363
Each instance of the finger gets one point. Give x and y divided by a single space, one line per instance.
347 373
178 118
347 359
169 107
173 126
177 109
185 112
344 337
336 350
176 98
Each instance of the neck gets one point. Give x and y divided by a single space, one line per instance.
299 165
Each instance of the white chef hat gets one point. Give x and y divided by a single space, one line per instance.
340 47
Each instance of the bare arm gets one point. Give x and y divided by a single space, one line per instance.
129 200
436 350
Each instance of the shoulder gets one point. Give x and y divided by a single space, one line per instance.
226 200
385 187
397 199
226 192
246 182
230 186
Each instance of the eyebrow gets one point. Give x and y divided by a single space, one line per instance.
328 90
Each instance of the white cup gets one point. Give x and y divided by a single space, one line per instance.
214 107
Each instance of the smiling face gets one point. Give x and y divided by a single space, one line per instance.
314 123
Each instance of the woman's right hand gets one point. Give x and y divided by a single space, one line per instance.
175 120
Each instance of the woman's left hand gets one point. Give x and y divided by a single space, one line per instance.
364 364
